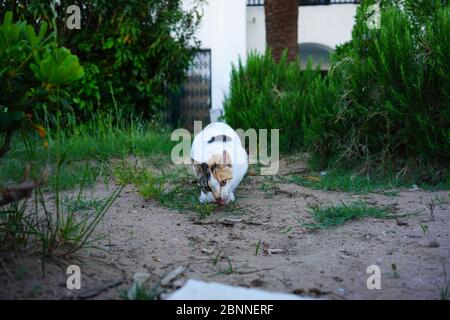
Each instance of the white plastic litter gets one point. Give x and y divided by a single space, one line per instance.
200 290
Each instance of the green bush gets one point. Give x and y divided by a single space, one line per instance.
383 106
139 48
269 95
33 69
389 93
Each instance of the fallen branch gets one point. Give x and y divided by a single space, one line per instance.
23 190
253 271
281 191
229 222
93 292
302 170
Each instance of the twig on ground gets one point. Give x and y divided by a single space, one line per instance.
253 271
229 222
93 292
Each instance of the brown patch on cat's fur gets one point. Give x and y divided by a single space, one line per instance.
220 165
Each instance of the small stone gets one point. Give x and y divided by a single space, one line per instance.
207 251
338 279
433 244
257 283
341 291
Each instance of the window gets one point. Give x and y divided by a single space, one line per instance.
318 53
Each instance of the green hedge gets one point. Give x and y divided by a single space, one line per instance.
392 96
384 104
265 95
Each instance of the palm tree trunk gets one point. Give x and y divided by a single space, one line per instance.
282 27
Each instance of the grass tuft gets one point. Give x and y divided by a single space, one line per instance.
176 189
87 150
347 181
333 215
444 287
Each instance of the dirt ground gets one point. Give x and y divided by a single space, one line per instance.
142 236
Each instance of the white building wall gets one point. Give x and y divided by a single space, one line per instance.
223 30
329 25
230 29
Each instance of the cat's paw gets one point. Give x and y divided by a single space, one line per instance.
206 198
202 198
231 197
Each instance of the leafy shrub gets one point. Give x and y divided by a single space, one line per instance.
32 68
389 96
384 104
140 49
57 67
269 95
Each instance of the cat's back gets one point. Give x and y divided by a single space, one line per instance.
217 129
214 138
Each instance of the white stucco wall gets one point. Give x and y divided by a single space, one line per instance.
329 25
230 29
223 30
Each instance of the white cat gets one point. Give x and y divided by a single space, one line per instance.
220 162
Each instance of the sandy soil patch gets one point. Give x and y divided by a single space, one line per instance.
142 236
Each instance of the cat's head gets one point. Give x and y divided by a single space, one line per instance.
215 177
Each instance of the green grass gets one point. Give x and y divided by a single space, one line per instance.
329 216
346 181
53 226
257 247
82 203
175 189
86 150
444 286
269 188
78 155
441 200
216 259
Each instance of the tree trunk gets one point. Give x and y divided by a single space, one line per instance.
282 27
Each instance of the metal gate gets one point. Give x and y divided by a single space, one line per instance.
195 99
